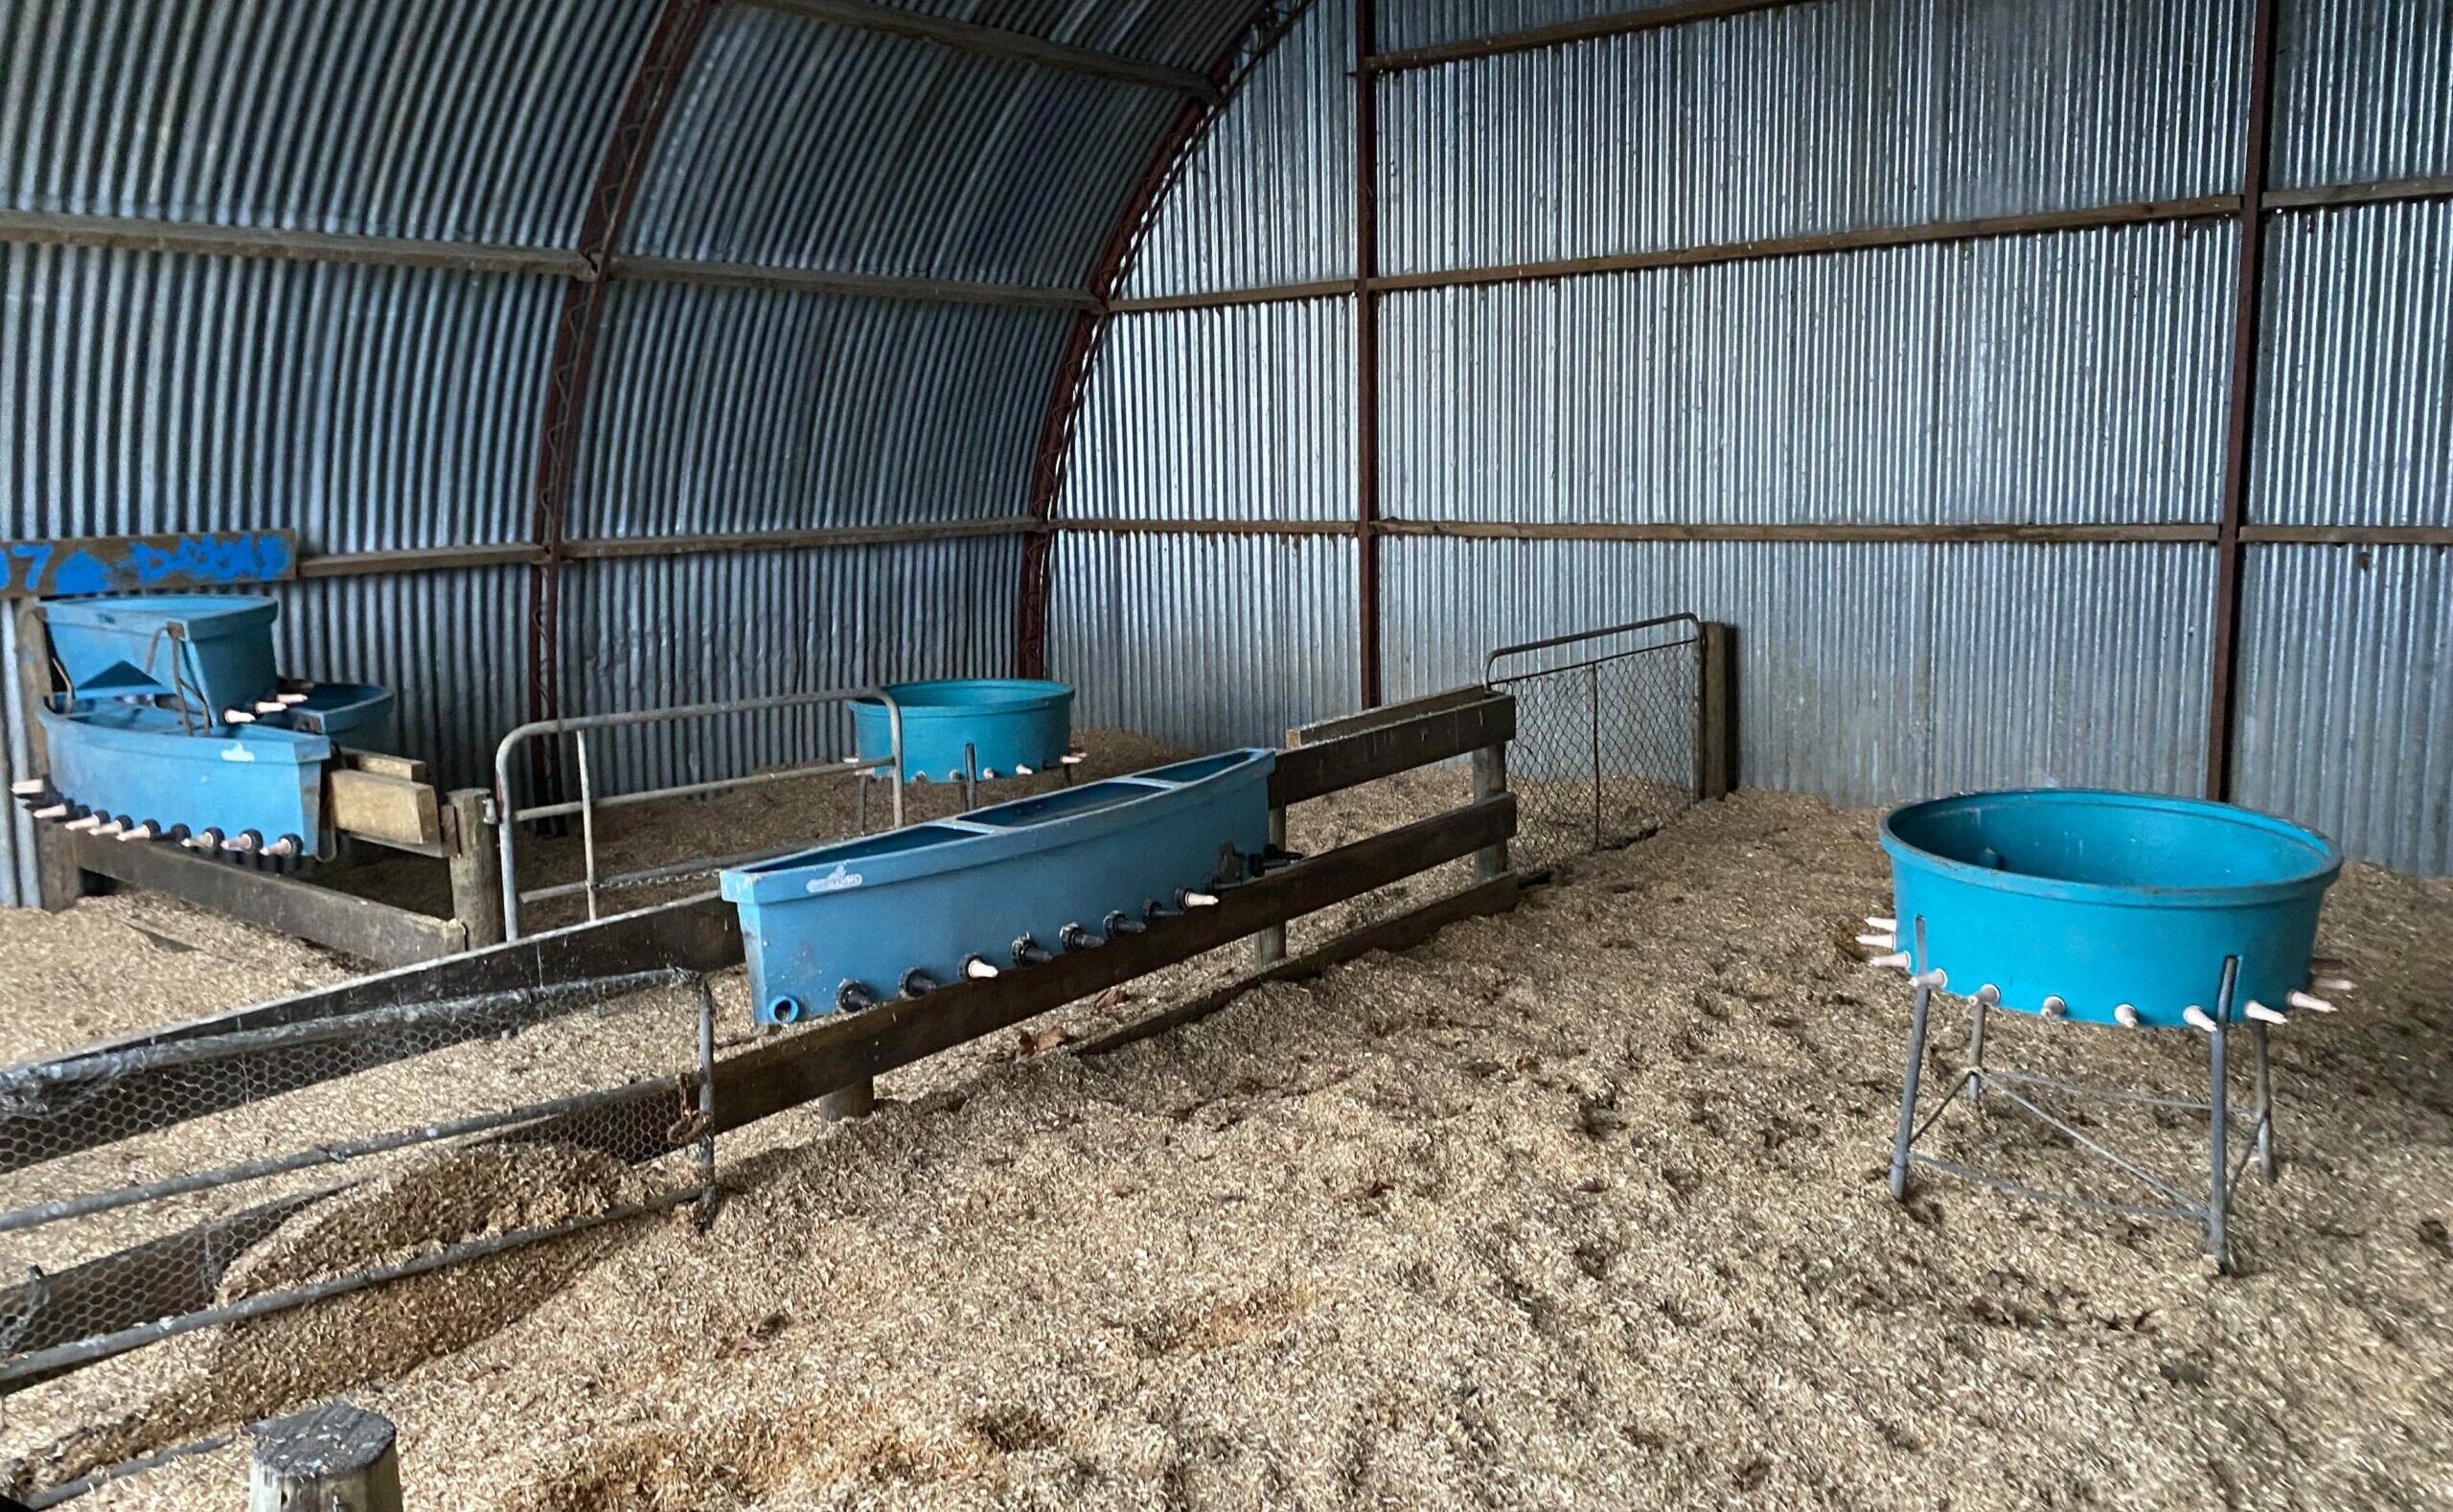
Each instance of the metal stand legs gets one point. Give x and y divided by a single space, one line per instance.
2009 1088
1902 1148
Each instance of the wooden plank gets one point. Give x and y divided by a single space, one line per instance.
998 42
389 811
436 558
1402 932
1327 730
1821 534
1308 771
1678 13
407 769
147 563
360 926
697 933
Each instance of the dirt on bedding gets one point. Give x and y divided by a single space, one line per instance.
1577 1206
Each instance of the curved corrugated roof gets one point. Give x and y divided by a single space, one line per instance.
185 343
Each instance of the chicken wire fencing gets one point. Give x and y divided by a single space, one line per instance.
1608 734
208 1176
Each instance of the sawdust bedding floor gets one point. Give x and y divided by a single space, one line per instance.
1579 1206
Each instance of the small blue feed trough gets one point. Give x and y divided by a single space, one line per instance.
2112 908
969 729
853 923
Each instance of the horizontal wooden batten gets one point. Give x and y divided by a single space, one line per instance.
854 285
590 548
1203 527
1020 47
127 233
2347 535
427 559
1273 294
1834 534
446 559
1565 33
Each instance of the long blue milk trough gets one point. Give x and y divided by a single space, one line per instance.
2080 903
855 922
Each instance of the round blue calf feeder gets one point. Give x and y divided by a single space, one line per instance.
969 730
2126 910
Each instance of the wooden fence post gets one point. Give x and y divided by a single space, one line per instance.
1268 947
1715 715
332 1458
57 882
476 870
1490 780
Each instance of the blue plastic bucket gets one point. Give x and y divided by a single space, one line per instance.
2107 898
1002 726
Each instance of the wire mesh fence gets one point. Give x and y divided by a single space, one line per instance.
1608 732
213 1175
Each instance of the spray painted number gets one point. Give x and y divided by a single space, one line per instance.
147 564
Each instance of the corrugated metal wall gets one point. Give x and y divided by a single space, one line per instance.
2346 675
2073 378
376 408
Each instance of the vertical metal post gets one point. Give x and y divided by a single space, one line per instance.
894 734
1976 1049
1915 1069
1268 947
1490 780
970 776
1367 345
2218 1123
587 822
2265 1103
1592 691
2240 427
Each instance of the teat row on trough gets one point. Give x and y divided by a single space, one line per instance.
1886 938
45 803
853 996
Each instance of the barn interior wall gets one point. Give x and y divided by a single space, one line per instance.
2075 377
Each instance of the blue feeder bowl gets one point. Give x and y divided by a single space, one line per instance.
990 727
2101 899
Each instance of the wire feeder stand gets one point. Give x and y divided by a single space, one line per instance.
2210 1211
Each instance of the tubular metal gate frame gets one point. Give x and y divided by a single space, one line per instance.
507 819
1593 668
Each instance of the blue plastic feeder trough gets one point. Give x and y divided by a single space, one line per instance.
177 728
2109 909
851 924
2101 899
964 729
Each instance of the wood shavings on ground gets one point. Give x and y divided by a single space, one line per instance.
1580 1205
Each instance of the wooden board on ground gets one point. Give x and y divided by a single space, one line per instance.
358 927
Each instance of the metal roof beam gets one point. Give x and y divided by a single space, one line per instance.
997 42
